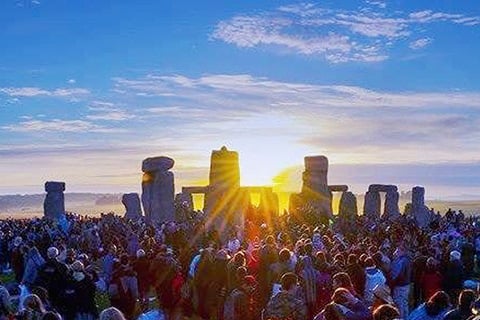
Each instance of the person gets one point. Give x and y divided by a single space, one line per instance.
286 304
238 305
310 281
356 273
463 311
342 280
17 258
278 269
386 312
381 296
400 278
112 313
86 308
125 279
374 277
454 275
34 309
434 309
352 307
267 256
142 268
33 262
52 276
431 279
6 309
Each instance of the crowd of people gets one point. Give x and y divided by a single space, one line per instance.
282 268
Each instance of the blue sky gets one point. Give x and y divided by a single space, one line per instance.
89 89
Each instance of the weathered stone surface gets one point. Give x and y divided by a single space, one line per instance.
316 163
420 211
338 188
348 205
224 169
157 164
158 190
372 205
391 209
54 203
269 203
382 188
131 201
52 186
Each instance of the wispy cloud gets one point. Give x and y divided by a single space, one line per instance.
420 43
107 111
336 35
343 120
58 125
35 92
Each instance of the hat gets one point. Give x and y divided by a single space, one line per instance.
140 253
455 255
382 292
52 252
17 241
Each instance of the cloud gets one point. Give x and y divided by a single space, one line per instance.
420 43
35 92
354 123
378 3
335 35
57 125
107 111
72 81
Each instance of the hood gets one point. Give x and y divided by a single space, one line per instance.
371 271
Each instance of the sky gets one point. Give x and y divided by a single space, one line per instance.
389 91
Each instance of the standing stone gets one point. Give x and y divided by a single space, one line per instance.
315 186
225 202
371 208
348 206
158 189
54 203
131 201
420 211
269 204
391 210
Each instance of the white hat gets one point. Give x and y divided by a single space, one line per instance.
52 252
455 255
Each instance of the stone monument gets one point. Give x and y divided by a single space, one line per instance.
419 210
225 201
54 203
158 189
373 204
131 201
315 192
348 205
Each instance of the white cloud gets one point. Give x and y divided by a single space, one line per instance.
35 91
351 122
57 125
378 3
420 43
72 81
335 35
